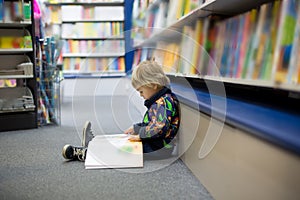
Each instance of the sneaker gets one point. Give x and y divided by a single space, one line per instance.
70 152
87 134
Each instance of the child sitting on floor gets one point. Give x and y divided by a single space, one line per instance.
160 124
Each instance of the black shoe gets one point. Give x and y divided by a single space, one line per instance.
74 153
87 134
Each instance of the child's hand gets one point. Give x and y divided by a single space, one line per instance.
129 131
134 138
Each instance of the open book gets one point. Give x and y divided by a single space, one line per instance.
113 151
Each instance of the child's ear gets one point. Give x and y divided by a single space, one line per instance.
155 86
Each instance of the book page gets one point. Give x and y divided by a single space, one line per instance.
113 151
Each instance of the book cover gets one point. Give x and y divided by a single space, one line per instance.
257 37
270 43
198 45
294 65
253 22
186 50
284 41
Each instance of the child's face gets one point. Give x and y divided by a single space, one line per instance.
147 92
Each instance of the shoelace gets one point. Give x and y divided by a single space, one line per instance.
80 153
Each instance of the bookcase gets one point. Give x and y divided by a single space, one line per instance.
93 37
235 67
18 90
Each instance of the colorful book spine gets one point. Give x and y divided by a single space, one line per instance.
284 41
293 75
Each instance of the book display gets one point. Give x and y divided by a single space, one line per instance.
18 103
259 39
92 34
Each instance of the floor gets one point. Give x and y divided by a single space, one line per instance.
32 166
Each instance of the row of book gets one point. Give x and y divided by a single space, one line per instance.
52 14
11 11
11 42
93 46
103 13
92 30
161 14
93 65
260 44
8 83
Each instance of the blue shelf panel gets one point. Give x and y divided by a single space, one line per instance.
277 126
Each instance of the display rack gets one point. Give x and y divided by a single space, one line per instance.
18 102
49 77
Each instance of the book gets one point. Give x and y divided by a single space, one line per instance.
270 42
294 65
113 151
284 40
186 50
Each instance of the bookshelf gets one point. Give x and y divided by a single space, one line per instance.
182 30
18 89
240 98
93 37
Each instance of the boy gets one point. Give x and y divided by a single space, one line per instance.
160 124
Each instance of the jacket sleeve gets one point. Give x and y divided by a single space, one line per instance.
159 123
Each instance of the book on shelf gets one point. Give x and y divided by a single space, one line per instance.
93 65
186 50
172 12
160 16
260 44
255 53
171 58
293 75
113 151
284 41
92 30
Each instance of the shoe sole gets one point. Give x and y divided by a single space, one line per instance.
64 151
86 126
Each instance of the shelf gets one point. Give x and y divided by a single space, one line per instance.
245 82
18 105
92 55
15 24
90 20
11 51
117 3
78 74
15 76
275 125
231 7
93 38
18 121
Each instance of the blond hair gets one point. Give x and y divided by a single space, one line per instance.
149 73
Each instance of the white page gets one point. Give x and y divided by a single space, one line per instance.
113 151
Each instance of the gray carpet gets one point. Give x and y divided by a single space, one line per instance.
32 166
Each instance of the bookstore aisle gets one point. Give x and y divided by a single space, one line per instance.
32 166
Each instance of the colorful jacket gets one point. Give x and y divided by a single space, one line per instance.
161 121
